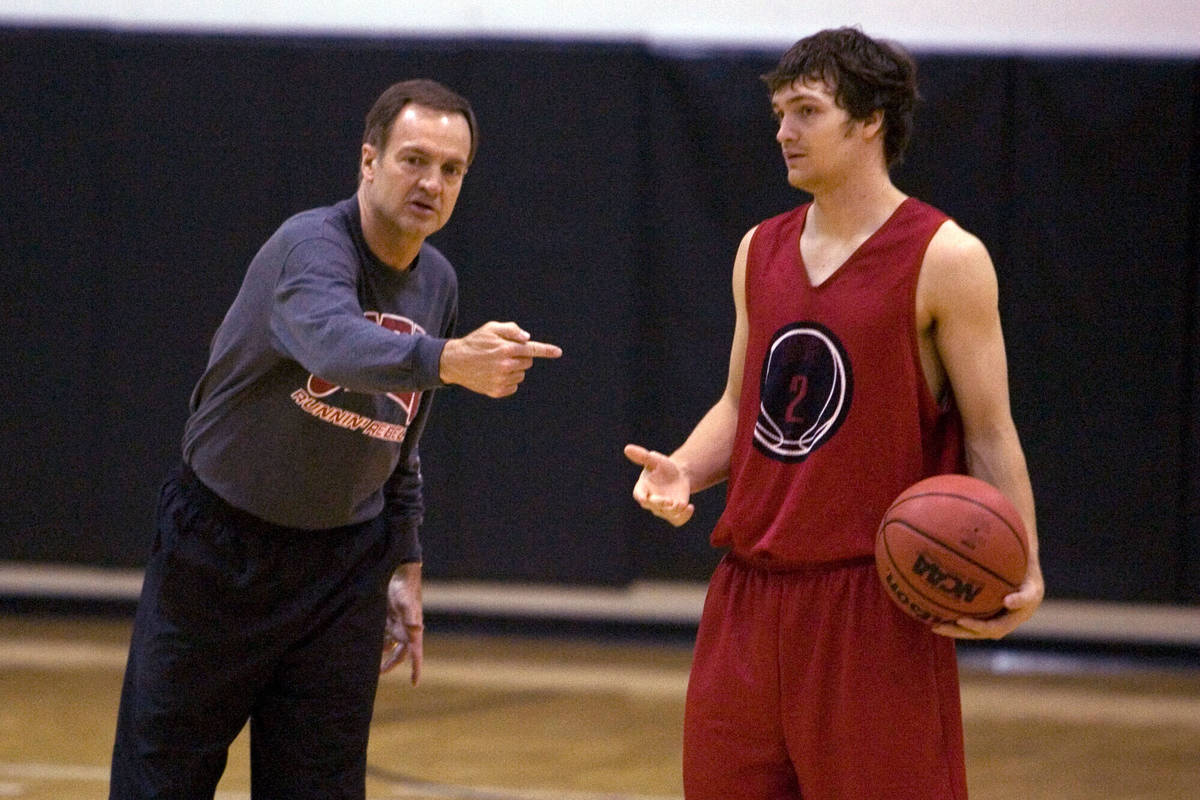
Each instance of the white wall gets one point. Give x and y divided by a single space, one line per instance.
1117 26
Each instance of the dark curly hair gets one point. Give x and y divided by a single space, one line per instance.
865 74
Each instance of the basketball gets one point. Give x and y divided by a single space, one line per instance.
951 546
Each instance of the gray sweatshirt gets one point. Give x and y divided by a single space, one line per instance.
309 412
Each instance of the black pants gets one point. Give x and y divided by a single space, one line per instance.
242 620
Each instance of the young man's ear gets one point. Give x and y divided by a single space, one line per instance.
873 125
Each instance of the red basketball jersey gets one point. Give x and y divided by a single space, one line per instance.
835 417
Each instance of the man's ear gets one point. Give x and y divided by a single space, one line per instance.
366 165
873 125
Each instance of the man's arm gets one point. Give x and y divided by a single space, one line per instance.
959 294
316 319
666 484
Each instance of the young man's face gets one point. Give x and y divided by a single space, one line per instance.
413 185
817 135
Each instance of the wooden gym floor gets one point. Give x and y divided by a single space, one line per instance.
529 718
516 716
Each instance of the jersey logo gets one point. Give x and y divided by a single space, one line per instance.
406 400
804 392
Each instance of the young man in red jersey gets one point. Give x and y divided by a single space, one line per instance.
867 354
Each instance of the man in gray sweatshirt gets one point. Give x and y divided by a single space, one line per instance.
286 550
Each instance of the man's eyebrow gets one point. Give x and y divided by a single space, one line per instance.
424 151
802 96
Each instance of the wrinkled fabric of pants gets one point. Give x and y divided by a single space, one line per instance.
809 684
240 620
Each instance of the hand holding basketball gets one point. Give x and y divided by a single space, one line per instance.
953 552
1019 607
663 488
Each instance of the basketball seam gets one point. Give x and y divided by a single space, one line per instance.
1016 534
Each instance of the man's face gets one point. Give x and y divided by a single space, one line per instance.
412 186
816 134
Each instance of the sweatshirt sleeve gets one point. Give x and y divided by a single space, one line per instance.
403 494
317 321
404 503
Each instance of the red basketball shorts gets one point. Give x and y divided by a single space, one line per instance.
811 684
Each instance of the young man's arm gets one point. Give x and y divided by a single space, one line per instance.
667 482
958 291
